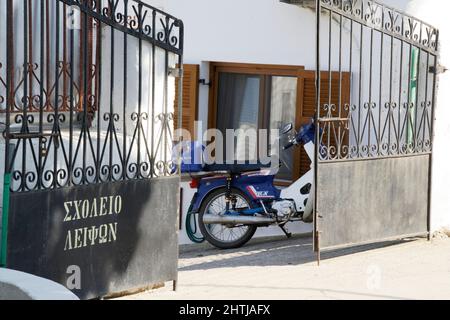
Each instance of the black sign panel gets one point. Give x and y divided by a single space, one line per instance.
97 239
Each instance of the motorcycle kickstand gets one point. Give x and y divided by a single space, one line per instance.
288 234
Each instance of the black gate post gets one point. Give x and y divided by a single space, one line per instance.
180 117
433 114
316 235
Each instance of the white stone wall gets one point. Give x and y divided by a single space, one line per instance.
270 32
436 13
246 31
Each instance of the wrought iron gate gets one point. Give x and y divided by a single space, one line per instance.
86 95
373 163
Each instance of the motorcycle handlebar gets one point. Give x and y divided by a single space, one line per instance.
288 146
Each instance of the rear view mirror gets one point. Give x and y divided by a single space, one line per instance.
287 128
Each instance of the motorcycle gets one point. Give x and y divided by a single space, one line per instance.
230 204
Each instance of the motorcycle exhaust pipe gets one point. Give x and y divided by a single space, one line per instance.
214 219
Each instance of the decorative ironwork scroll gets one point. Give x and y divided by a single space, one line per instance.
390 57
84 91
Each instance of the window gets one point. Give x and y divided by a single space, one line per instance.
255 97
244 96
256 102
282 95
41 58
238 107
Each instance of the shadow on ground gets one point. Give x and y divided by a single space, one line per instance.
278 252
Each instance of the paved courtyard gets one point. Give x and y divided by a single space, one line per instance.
287 269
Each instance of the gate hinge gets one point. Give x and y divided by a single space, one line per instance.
175 72
438 70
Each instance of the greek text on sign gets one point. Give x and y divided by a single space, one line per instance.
93 235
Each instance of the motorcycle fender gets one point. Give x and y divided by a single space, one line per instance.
205 188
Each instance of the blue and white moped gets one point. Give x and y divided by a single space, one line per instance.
230 204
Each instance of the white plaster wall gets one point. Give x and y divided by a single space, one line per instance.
270 32
247 31
252 31
436 13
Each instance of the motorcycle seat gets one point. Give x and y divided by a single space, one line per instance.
236 168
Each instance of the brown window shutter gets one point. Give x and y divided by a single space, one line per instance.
309 102
190 98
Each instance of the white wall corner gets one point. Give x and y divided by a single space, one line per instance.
431 12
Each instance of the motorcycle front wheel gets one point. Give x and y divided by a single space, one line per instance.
219 235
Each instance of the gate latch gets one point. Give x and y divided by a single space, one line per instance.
37 135
438 69
44 150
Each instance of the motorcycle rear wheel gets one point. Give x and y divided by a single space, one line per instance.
219 235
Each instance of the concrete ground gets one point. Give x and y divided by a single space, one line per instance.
287 269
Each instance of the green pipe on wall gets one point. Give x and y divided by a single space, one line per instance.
413 93
5 219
